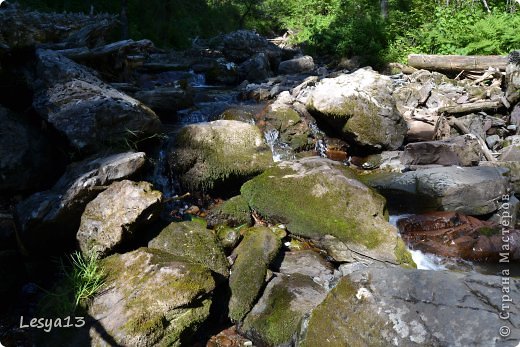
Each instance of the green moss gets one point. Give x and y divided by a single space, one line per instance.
254 254
233 212
368 128
283 118
194 242
403 256
488 231
314 205
345 319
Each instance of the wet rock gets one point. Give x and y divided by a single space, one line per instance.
52 217
195 243
461 150
276 318
243 44
452 234
292 128
152 298
233 212
385 306
255 69
91 114
361 107
219 71
253 256
470 190
25 155
206 155
295 193
114 217
296 65
165 101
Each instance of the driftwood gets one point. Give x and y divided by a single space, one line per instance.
491 105
454 63
120 48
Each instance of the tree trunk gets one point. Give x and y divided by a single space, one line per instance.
384 9
124 19
454 63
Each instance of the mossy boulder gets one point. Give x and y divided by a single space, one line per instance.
208 155
194 242
316 198
233 212
151 298
248 274
360 106
115 216
390 306
277 316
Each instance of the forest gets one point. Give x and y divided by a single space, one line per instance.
376 30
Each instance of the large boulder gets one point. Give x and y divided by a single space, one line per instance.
255 69
360 106
206 155
191 240
461 150
391 306
514 170
115 216
25 155
253 256
296 65
243 44
89 113
52 217
318 198
152 298
470 190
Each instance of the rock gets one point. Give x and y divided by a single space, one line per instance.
296 65
512 82
361 107
310 264
22 29
277 316
228 237
461 150
167 100
255 69
233 212
316 197
206 155
25 155
492 140
243 44
452 234
12 271
469 190
152 298
114 217
52 217
253 255
293 129
515 115
512 166
91 114
219 71
195 243
387 306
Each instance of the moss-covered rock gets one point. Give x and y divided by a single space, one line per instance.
151 298
316 197
206 155
277 316
233 212
361 107
253 256
116 214
194 242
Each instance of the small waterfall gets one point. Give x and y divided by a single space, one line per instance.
321 145
281 151
197 79
161 178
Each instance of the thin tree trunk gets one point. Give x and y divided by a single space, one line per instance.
484 2
384 9
124 19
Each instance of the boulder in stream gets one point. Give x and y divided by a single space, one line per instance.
243 44
91 114
391 306
360 107
115 215
52 217
218 153
323 200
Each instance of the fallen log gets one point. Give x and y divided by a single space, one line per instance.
120 48
472 107
454 63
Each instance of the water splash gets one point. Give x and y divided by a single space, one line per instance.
197 79
281 151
